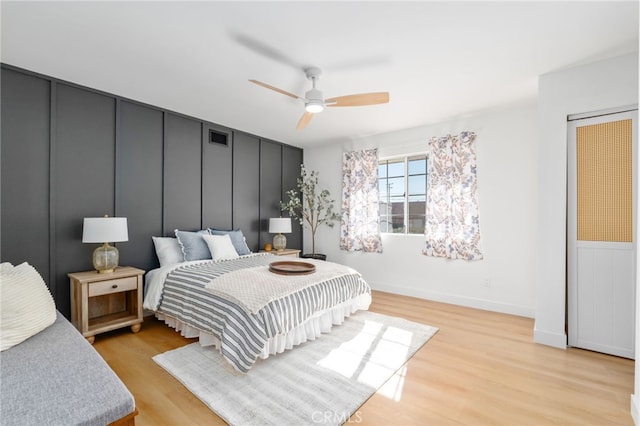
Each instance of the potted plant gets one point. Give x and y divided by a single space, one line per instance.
310 206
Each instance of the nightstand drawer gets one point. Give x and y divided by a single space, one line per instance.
113 286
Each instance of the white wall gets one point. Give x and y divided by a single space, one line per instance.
601 85
507 183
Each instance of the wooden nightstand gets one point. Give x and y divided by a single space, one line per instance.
104 302
285 252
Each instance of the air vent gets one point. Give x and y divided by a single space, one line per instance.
218 137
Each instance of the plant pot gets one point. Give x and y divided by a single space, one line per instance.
316 256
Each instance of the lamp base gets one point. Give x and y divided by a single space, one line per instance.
279 242
105 259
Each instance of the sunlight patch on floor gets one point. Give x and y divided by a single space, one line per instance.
392 389
372 356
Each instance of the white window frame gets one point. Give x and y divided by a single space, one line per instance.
405 158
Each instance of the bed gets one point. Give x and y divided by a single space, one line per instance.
247 312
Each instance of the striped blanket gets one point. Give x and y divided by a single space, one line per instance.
244 332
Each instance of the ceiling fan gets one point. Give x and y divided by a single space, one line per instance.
314 102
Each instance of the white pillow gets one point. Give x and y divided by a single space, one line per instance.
221 247
26 306
168 250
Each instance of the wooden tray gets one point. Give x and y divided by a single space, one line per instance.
292 268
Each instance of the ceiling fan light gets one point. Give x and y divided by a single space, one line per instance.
313 107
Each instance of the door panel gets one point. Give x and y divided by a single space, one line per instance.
602 176
605 307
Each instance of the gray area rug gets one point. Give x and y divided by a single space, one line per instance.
319 382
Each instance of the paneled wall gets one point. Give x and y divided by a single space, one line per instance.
70 152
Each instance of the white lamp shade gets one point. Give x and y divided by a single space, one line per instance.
279 225
104 230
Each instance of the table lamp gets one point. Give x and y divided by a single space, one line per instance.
279 226
105 230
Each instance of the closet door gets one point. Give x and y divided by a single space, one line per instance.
601 233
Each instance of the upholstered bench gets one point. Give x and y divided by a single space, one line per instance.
57 378
49 373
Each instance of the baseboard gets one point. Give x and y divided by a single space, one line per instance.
470 302
557 340
635 409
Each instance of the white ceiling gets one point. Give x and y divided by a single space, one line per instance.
438 60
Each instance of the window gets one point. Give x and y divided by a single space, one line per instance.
403 194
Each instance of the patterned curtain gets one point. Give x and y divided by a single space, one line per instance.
360 223
452 227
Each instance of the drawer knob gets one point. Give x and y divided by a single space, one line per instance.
114 286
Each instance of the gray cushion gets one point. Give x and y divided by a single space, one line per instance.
57 378
193 245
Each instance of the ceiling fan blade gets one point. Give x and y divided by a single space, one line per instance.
268 86
304 120
262 48
358 100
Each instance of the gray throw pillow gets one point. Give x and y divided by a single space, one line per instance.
193 245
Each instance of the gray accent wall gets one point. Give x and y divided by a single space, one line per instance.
270 183
217 179
24 170
69 152
292 158
139 174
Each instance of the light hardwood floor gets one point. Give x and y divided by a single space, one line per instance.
481 368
